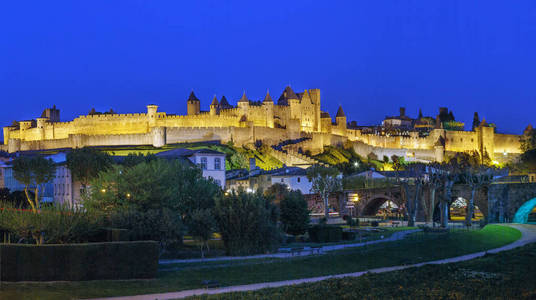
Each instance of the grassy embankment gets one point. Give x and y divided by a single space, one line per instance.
505 275
417 248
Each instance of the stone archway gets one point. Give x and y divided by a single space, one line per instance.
526 209
458 210
373 206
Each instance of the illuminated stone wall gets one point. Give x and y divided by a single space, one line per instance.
247 123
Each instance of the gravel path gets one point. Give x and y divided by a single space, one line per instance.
528 236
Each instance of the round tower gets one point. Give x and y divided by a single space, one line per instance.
151 114
214 106
268 104
193 106
243 104
41 127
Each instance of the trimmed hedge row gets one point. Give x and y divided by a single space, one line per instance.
72 262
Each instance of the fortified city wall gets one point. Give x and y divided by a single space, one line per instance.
296 115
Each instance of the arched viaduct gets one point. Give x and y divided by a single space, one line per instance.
499 202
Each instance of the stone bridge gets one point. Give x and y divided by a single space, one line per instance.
499 202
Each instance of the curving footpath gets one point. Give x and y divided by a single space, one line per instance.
394 237
528 236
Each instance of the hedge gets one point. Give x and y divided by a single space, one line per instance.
73 262
325 234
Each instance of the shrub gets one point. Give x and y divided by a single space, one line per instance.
351 221
201 227
96 261
374 224
162 225
348 235
325 234
51 225
247 223
294 213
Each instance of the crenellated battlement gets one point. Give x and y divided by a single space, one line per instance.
291 116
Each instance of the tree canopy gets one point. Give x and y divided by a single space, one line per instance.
86 163
33 171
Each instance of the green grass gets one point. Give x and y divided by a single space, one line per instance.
419 247
366 237
506 275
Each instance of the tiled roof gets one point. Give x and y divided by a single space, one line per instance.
192 97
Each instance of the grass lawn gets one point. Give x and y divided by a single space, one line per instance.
366 237
418 247
506 275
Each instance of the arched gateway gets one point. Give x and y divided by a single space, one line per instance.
523 214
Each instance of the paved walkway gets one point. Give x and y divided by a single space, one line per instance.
528 236
307 251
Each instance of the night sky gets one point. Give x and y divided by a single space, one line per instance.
370 56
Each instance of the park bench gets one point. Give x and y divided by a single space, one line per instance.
210 284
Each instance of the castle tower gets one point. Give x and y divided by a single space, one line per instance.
194 105
289 98
486 139
41 122
52 114
243 104
315 98
151 114
224 104
214 106
340 118
268 104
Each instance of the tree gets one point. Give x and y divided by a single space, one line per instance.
475 176
171 189
528 139
278 191
434 183
528 160
86 163
201 226
133 159
294 213
33 171
412 200
247 223
325 180
476 121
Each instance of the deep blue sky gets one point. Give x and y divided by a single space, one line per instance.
369 56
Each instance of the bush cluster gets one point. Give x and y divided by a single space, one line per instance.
247 223
325 233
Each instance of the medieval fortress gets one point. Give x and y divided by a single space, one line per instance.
295 126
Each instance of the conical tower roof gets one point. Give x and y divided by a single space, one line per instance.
224 103
215 101
244 98
340 112
268 98
192 97
287 94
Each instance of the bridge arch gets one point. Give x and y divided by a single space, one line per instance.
525 211
373 205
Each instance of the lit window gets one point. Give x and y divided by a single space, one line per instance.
217 163
203 163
